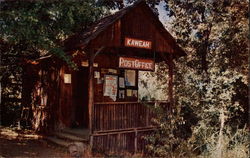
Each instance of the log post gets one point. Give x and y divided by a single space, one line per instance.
90 90
170 80
91 95
92 56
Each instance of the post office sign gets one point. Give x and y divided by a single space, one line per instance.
136 63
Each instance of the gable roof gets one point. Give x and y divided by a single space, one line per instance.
81 40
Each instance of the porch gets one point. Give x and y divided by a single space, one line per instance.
117 127
120 126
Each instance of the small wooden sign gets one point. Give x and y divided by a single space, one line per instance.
138 43
86 64
136 63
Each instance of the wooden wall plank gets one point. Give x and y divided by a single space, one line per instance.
121 116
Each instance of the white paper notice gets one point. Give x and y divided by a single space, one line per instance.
121 82
110 86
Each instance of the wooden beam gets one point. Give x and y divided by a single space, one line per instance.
125 129
124 132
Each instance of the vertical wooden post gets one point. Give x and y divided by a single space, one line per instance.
170 80
91 94
92 56
136 141
119 142
91 141
90 90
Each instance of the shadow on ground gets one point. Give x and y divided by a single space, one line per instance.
15 143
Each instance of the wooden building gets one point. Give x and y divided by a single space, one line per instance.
102 94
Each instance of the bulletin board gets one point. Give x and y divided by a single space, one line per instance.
115 85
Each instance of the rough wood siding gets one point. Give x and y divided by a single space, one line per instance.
65 98
133 25
118 116
114 143
111 37
139 24
124 115
107 61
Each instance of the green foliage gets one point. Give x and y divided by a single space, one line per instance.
205 26
119 4
153 85
168 140
35 28
211 81
216 111
30 29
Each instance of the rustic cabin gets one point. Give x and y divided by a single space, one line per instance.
97 100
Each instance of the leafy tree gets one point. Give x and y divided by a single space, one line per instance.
211 81
33 28
30 29
215 35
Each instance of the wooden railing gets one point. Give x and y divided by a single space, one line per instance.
110 116
121 126
122 141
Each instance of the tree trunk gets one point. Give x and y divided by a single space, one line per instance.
220 145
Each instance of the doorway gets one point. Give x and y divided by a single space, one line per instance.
80 92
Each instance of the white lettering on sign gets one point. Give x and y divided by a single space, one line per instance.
131 42
136 63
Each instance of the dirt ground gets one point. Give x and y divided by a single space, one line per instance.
26 144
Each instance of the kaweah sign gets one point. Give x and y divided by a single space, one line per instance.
136 63
138 43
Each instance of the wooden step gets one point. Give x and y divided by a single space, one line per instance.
82 133
69 137
59 142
